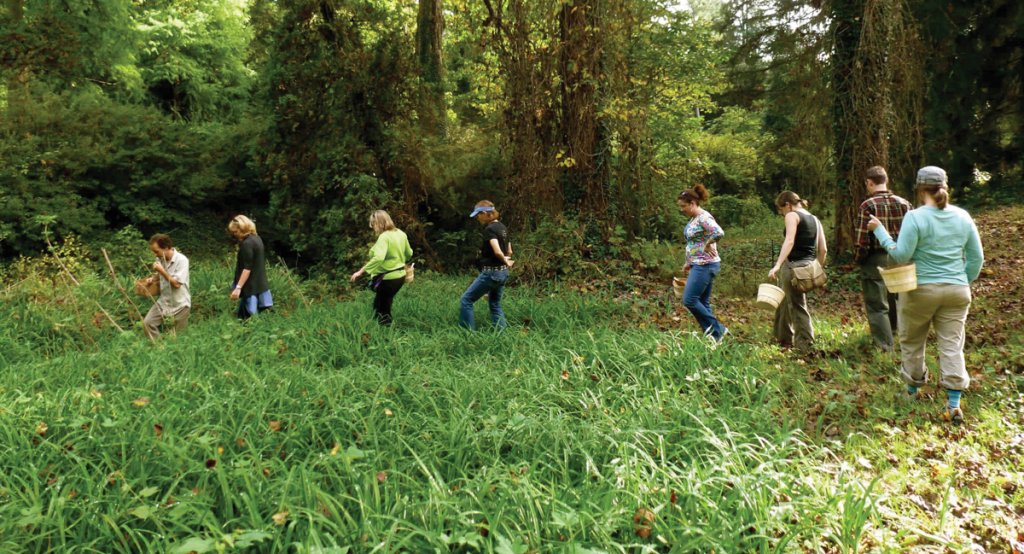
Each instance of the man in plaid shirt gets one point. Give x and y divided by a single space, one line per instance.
889 209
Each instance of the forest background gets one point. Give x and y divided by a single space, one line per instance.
581 119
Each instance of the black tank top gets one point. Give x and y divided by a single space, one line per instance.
805 246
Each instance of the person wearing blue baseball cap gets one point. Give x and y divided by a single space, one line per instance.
495 261
942 241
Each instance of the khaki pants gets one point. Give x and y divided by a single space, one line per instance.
792 318
879 303
944 308
155 317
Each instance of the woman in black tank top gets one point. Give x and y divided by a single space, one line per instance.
804 243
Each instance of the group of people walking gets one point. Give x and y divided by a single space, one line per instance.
173 304
940 239
388 267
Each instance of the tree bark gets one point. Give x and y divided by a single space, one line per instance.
580 67
429 33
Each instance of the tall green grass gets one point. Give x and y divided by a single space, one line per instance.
311 429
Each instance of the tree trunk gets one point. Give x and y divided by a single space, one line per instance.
584 168
529 121
429 31
876 103
17 82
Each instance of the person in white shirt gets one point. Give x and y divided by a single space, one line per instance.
175 301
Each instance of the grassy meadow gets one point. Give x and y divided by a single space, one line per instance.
598 422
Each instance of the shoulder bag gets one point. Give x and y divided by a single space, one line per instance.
810 276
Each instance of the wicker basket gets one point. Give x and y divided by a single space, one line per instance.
678 286
901 278
148 286
769 296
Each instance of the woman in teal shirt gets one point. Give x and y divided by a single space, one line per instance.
387 264
943 242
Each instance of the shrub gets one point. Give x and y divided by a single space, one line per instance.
733 211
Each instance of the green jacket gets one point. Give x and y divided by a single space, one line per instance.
389 255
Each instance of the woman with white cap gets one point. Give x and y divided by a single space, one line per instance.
942 241
495 261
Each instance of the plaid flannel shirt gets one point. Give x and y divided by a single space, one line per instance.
889 209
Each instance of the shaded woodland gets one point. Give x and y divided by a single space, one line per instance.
583 118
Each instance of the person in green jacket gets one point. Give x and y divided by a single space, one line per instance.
386 265
942 241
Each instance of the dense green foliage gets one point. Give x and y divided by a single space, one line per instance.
311 428
587 115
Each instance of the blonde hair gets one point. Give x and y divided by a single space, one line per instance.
380 221
491 215
241 225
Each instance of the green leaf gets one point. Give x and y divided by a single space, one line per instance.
250 538
195 544
506 546
142 512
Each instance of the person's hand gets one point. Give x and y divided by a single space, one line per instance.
157 267
873 223
509 263
773 274
236 293
686 269
355 276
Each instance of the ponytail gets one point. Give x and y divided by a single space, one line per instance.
939 193
790 198
696 195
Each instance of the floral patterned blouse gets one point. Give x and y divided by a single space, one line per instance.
700 231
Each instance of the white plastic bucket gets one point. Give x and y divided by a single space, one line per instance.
769 296
901 278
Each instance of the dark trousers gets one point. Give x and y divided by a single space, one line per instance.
386 291
879 303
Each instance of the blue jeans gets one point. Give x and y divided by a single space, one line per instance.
492 283
697 297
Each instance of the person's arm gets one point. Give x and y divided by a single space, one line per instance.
245 259
242 279
376 261
973 253
902 249
713 231
792 220
862 240
822 246
159 268
496 248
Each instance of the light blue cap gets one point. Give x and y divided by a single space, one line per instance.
479 209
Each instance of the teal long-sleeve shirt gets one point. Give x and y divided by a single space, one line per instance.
943 244
389 255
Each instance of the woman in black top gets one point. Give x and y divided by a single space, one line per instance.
804 243
495 261
250 284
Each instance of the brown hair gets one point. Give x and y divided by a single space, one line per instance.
493 214
161 240
876 174
790 198
380 221
939 193
696 195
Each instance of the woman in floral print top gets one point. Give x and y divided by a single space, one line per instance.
702 261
